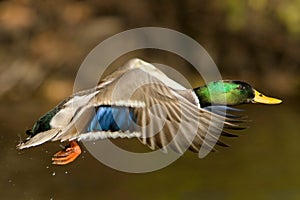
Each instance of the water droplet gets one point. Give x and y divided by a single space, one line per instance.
66 172
47 166
53 174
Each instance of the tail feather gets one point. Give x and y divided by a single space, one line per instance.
39 138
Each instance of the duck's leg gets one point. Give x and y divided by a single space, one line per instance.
68 155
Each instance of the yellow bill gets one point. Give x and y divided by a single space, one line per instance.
260 98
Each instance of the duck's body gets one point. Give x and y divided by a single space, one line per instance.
139 101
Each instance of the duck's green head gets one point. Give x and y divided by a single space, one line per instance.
231 93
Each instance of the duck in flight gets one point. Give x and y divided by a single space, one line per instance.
140 101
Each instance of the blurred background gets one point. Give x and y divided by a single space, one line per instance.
43 44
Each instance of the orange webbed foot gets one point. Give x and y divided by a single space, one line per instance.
68 155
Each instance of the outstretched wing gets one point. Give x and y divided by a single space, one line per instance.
143 102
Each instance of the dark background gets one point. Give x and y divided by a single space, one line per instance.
43 44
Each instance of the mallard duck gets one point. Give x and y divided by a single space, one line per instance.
140 101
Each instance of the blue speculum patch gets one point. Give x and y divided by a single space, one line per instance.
112 118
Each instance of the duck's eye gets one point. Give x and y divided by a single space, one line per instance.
260 95
241 87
